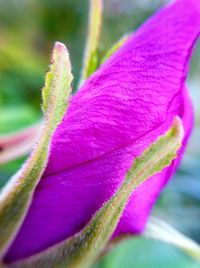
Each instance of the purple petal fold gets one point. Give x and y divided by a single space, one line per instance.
121 109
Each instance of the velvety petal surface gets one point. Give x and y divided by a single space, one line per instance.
129 102
142 200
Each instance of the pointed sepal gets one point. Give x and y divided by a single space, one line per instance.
90 59
16 196
82 250
115 47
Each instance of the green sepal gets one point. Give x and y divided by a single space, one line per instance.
16 196
81 250
57 89
90 60
114 48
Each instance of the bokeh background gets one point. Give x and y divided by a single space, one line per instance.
28 30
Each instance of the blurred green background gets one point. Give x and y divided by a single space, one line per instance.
28 30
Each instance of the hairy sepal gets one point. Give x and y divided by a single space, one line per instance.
16 196
81 250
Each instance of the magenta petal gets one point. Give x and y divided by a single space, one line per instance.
140 204
120 110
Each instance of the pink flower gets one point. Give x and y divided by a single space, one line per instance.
120 110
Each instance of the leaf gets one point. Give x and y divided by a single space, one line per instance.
139 252
94 28
158 229
81 250
16 197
